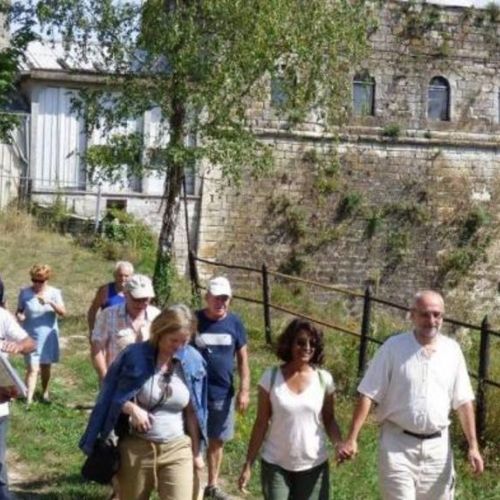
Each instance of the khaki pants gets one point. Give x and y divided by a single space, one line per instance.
146 466
414 469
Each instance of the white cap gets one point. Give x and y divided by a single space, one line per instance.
140 287
219 286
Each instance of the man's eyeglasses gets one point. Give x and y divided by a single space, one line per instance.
429 314
142 300
36 280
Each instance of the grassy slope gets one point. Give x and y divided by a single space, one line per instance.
43 441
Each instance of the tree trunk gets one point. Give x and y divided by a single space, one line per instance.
162 279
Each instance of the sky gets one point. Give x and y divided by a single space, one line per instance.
467 3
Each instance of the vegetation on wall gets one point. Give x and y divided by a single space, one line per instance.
418 222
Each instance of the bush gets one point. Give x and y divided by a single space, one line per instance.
124 237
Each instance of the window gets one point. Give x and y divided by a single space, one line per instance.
283 81
363 95
438 100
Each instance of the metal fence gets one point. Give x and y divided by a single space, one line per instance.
363 335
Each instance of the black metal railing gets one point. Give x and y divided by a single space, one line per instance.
482 375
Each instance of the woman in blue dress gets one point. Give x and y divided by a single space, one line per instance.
37 310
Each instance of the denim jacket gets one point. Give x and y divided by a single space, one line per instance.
125 377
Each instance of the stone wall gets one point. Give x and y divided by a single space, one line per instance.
395 199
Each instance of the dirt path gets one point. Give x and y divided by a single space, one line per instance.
22 481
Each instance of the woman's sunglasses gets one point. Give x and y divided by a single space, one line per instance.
305 343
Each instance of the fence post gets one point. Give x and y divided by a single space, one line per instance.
365 330
484 365
193 274
98 208
265 300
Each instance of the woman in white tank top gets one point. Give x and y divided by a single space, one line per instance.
295 416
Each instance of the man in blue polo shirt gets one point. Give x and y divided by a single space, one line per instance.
222 337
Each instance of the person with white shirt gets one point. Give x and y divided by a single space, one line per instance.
123 324
415 379
13 340
295 417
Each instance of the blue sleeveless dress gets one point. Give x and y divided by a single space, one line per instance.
113 297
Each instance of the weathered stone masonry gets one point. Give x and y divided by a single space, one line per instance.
396 199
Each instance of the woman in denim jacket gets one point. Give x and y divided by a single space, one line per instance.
161 385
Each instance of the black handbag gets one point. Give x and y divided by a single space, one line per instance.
103 463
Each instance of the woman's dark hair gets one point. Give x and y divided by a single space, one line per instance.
290 333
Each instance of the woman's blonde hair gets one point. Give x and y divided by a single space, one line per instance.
41 271
172 320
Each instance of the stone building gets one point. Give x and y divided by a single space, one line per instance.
403 196
406 194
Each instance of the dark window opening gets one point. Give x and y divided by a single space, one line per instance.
363 95
438 101
116 205
283 81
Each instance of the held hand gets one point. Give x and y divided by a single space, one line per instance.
347 450
10 347
244 478
476 461
198 462
8 394
41 299
242 400
140 419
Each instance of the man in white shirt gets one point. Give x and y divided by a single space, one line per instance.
415 379
13 340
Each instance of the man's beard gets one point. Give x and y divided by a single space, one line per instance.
429 332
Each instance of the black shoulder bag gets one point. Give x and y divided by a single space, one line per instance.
103 463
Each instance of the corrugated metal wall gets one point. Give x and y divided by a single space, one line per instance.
13 162
58 141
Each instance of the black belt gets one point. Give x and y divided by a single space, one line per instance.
433 435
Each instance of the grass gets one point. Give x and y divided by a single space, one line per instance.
43 450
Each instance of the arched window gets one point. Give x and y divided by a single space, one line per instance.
363 95
438 99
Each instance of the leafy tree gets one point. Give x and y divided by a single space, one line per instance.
10 56
202 62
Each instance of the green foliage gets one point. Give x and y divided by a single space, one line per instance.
125 237
392 130
493 12
164 273
408 212
349 204
374 222
203 64
477 218
10 57
472 242
327 179
53 216
418 19
295 221
398 244
294 265
121 150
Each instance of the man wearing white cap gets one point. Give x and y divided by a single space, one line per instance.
222 337
123 324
